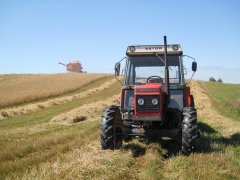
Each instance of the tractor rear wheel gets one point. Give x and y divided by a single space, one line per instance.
189 130
110 128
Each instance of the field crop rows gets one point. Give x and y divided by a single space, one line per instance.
30 139
18 89
34 106
50 144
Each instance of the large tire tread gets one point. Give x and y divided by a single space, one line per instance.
110 128
189 130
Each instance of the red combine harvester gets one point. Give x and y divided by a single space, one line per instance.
74 66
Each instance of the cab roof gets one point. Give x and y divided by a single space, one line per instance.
173 49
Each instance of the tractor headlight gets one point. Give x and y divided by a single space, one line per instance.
175 47
132 48
140 101
154 101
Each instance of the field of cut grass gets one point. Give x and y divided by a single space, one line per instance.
24 88
50 144
31 139
225 98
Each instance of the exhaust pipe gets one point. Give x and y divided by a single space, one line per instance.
166 69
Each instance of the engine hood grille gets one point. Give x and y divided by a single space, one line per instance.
148 106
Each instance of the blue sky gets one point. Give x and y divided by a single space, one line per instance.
36 35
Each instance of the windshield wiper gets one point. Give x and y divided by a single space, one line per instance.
161 60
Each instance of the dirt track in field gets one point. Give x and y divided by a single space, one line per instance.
56 101
207 113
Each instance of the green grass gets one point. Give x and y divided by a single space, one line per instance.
217 158
23 149
225 98
33 149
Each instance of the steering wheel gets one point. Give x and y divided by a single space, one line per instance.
154 79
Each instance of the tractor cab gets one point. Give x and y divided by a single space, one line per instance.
154 100
145 62
145 75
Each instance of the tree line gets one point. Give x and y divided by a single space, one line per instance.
211 79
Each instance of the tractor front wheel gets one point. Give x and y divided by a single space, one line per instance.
110 128
189 130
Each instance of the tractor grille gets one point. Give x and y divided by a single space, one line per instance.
148 106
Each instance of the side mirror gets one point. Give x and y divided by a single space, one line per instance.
194 66
117 68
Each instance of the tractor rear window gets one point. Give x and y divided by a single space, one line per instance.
151 69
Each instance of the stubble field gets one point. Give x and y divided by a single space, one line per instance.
60 138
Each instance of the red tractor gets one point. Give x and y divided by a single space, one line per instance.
155 100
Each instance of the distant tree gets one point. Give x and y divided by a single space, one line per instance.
211 79
220 80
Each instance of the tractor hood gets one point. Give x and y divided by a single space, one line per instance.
149 87
147 110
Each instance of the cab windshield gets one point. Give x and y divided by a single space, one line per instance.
150 69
